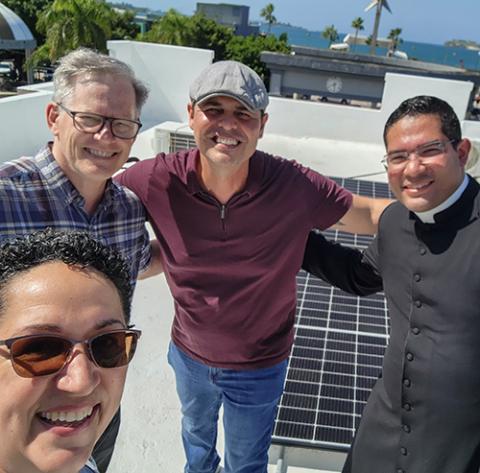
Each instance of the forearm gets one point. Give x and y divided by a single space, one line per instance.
156 266
363 215
340 266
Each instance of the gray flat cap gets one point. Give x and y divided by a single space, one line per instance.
231 79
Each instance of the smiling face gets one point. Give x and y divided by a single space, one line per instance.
54 421
422 187
87 159
226 133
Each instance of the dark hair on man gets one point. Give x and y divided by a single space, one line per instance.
427 105
72 248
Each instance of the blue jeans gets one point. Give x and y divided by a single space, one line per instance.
249 401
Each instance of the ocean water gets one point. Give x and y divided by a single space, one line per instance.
457 57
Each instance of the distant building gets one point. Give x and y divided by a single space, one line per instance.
359 39
343 76
144 19
229 15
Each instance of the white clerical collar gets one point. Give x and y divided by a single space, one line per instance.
427 216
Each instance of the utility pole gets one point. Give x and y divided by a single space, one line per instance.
379 4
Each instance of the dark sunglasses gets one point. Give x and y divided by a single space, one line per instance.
41 355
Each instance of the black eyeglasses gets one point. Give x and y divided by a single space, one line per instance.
426 152
41 355
93 123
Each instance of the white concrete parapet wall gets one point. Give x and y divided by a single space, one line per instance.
23 126
302 119
311 132
167 71
399 87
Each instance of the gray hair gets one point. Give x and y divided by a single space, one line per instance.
85 62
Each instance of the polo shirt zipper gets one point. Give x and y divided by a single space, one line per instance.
223 211
222 207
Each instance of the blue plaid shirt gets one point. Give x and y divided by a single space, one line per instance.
35 193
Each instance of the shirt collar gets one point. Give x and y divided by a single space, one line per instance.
254 180
429 215
50 169
57 180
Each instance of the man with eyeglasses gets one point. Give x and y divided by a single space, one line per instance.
423 415
94 119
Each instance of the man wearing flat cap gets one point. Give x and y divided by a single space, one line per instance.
232 223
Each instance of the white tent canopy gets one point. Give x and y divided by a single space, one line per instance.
14 34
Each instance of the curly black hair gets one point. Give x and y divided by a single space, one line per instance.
73 248
427 105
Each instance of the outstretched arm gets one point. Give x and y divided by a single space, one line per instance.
363 215
341 266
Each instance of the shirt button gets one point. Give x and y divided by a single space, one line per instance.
410 356
417 277
422 250
406 428
399 470
407 383
403 451
418 303
407 406
415 330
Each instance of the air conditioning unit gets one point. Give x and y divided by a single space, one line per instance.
473 162
170 137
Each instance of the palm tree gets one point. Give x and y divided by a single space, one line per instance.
330 33
69 24
379 4
171 28
357 25
267 14
394 36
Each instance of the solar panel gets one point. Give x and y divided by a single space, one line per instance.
337 353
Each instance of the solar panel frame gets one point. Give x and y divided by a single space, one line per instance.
337 353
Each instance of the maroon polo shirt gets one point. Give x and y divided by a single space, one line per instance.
231 268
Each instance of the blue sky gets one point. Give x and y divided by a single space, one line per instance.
429 21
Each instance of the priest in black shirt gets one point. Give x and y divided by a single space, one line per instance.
423 415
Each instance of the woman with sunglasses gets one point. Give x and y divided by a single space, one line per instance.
64 348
